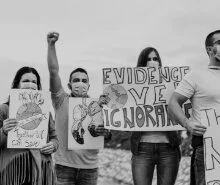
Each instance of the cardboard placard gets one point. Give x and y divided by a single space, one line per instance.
139 98
210 117
84 116
31 109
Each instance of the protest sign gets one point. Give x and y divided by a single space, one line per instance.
31 109
84 116
139 98
211 119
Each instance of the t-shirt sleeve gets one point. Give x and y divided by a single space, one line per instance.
58 98
187 86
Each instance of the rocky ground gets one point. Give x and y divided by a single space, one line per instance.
115 168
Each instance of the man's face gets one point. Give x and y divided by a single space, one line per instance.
213 50
79 77
79 84
216 39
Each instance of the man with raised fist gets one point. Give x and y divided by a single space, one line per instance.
75 167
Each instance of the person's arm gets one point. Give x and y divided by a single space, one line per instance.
101 131
175 108
6 124
3 134
53 143
3 137
176 113
53 66
52 133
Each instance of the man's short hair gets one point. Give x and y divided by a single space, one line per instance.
209 39
81 70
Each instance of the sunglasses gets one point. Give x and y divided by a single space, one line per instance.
153 58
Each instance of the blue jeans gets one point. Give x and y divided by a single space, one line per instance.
75 176
197 173
150 155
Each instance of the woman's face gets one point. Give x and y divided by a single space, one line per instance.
152 60
28 81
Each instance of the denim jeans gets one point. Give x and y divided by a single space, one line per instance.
75 176
161 155
197 173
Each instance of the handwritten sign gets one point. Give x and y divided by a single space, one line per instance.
31 109
84 116
211 118
139 98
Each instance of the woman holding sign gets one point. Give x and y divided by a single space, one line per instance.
25 166
153 148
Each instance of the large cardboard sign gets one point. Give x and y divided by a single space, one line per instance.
31 109
139 98
84 116
211 118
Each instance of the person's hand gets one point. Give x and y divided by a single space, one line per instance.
103 100
101 131
9 124
195 128
49 148
52 37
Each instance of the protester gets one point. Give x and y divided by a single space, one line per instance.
202 89
78 167
25 166
152 149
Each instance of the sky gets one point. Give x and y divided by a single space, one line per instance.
95 34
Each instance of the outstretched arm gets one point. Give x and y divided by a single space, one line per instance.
53 66
177 114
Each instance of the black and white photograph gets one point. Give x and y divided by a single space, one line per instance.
106 92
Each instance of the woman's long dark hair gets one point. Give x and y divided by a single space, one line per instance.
18 76
142 59
23 71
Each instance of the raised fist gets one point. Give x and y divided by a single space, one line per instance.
52 37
